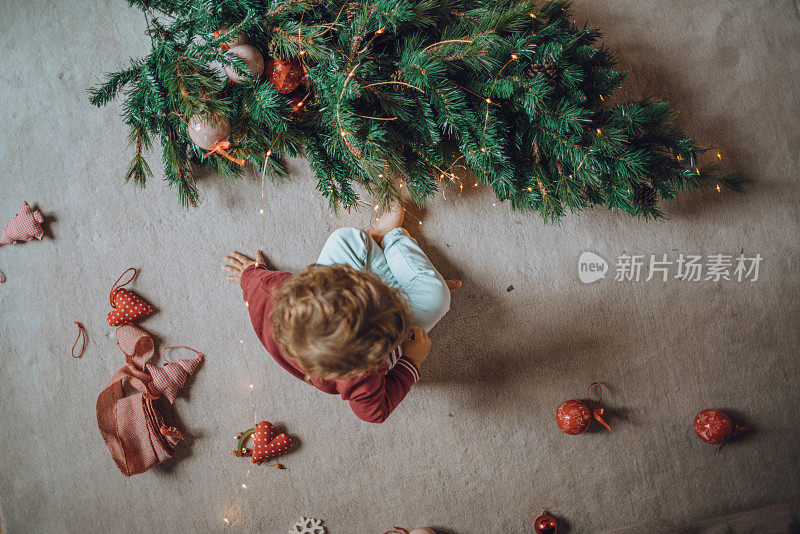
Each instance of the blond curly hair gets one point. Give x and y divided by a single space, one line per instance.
337 322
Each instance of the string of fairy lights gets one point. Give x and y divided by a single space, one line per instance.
446 177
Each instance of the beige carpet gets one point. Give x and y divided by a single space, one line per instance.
474 448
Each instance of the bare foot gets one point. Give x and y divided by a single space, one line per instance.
386 222
453 285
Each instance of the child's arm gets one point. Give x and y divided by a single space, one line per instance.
374 396
237 263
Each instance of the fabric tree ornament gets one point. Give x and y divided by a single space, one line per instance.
128 306
25 226
169 378
267 444
133 426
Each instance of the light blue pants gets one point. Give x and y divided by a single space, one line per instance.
400 263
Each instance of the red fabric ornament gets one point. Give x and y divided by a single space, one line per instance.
252 58
284 74
128 306
26 225
132 425
169 378
266 444
574 416
545 524
715 427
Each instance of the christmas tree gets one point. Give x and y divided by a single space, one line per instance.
390 94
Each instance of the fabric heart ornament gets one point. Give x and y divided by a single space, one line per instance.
26 225
128 306
169 378
266 444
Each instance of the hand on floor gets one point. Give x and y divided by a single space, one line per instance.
237 263
417 346
453 285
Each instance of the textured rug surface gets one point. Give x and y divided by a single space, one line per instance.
474 448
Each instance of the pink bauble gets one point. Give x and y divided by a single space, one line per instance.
206 131
422 530
573 416
713 426
251 57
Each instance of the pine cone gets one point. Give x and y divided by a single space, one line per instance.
645 196
548 70
351 10
395 77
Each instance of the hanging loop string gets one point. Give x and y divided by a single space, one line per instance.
220 148
739 432
396 530
81 334
116 286
598 411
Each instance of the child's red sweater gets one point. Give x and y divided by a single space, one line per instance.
372 396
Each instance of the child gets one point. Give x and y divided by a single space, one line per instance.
355 323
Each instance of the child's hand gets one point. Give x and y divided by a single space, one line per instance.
237 263
417 346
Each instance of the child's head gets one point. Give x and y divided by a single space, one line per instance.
337 322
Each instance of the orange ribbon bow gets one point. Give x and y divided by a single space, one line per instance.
597 412
220 149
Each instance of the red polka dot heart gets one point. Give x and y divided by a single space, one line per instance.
128 306
267 443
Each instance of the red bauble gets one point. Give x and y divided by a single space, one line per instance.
284 74
573 416
545 524
713 426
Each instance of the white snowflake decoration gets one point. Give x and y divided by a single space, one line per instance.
308 525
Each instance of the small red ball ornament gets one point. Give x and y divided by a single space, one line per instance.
573 417
284 74
545 524
713 426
